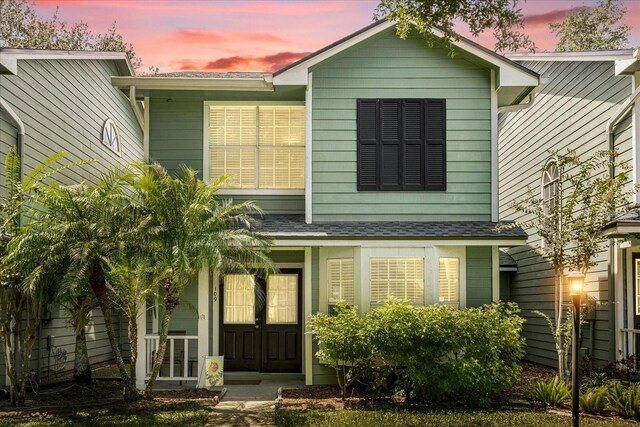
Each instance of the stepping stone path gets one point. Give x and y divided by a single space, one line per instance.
249 405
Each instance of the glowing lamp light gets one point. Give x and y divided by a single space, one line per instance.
576 282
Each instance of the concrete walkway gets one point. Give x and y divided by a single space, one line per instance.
250 405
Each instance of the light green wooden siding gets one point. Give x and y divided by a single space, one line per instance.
570 112
64 104
176 120
389 67
287 256
479 275
322 374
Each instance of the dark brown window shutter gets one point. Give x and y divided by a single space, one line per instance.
390 144
413 173
436 147
367 144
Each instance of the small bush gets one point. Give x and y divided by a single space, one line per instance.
625 401
594 400
553 393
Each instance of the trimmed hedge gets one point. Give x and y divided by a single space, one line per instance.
432 353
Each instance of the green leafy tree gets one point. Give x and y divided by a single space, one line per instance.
22 302
189 226
503 17
21 27
593 28
571 225
82 230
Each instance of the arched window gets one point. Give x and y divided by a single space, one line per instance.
111 136
550 178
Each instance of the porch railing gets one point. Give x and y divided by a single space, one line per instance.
630 339
180 360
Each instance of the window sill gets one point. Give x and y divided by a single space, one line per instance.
260 192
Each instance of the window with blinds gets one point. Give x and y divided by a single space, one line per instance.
258 147
340 280
450 281
401 278
239 299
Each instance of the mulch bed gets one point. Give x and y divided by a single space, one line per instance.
105 398
328 397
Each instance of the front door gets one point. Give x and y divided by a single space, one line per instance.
261 325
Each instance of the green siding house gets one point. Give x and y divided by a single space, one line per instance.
586 104
63 100
375 160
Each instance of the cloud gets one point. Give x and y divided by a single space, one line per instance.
546 18
271 62
200 36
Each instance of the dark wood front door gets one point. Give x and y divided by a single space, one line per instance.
261 330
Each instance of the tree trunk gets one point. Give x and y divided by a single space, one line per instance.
81 365
99 287
159 357
132 332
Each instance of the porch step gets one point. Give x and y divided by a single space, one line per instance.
248 376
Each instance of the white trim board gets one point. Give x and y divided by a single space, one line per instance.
370 243
510 73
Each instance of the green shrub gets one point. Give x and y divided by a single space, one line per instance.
554 392
344 341
594 400
432 353
625 401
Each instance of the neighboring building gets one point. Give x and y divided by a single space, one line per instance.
375 159
63 100
584 101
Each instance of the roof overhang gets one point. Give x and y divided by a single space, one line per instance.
318 239
586 56
621 230
9 58
513 81
630 65
261 84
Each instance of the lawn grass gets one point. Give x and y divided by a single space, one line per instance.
162 419
499 418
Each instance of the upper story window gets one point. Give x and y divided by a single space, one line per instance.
550 178
111 136
401 144
401 278
257 146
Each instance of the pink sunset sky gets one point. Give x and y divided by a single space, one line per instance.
264 35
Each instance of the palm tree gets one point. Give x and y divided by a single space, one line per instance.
189 227
84 228
133 283
21 301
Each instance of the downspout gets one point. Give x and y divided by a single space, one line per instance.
134 106
611 123
18 123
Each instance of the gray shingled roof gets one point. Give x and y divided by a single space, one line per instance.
293 226
213 75
632 217
506 260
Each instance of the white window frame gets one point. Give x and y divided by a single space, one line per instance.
206 166
459 252
543 186
106 123
327 253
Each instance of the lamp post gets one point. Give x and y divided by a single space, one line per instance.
576 282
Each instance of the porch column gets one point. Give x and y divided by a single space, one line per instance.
308 341
141 362
203 318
